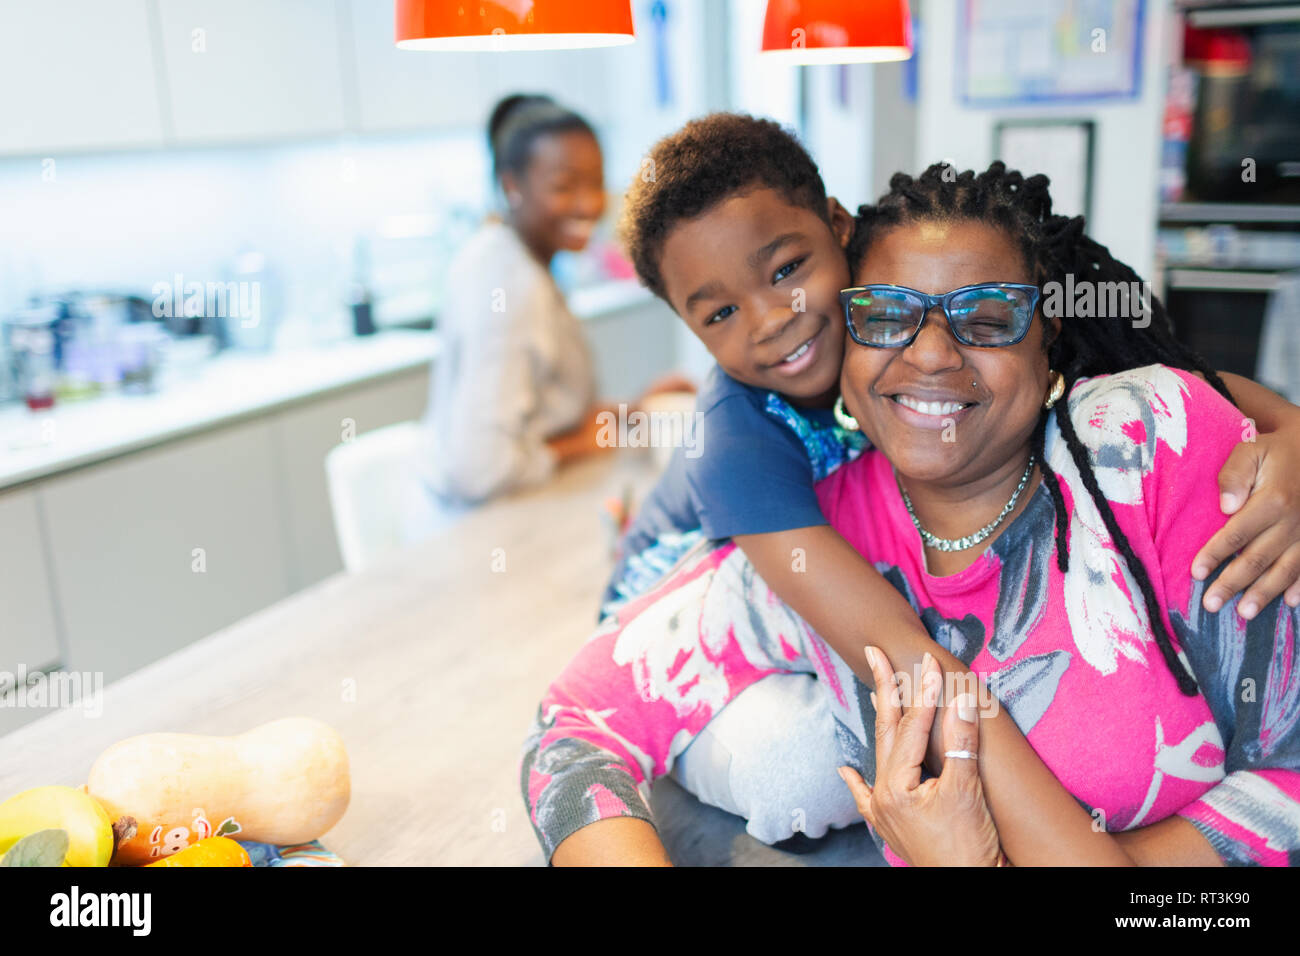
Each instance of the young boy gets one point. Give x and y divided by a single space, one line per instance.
736 233
773 322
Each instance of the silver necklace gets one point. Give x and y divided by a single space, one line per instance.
961 544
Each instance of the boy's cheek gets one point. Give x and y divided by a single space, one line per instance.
727 357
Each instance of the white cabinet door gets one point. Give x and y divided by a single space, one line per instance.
304 435
159 548
76 74
252 69
29 641
578 79
409 89
632 347
27 628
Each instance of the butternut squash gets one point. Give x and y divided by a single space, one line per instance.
283 782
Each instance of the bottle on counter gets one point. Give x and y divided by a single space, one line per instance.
32 342
359 301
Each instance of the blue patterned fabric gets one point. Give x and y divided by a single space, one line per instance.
828 446
643 569
300 854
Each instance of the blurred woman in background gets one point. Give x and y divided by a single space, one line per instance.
514 385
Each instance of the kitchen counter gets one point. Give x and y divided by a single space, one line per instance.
447 660
235 386
227 388
430 666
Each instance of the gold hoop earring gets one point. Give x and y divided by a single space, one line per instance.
845 420
1058 389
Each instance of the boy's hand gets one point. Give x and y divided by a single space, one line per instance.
1260 488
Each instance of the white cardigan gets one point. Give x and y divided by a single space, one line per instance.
513 370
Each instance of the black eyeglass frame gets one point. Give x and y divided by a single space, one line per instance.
930 301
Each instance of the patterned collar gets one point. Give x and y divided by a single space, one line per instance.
828 446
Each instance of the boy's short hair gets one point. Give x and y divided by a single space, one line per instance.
705 162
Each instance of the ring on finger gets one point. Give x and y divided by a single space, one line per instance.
961 754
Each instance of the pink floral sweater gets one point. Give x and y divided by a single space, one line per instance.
1071 656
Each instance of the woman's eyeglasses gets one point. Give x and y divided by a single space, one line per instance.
987 315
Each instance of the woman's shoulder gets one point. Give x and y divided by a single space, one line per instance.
1130 421
1160 395
1147 384
494 254
493 277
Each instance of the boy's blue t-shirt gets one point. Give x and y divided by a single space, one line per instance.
755 460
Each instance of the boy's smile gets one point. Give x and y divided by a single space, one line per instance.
757 279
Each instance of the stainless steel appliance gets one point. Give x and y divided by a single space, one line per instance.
1245 130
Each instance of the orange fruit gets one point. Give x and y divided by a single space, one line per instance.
214 851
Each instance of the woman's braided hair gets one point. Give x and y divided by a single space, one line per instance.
1053 248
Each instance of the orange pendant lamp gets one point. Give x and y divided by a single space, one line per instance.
512 24
837 31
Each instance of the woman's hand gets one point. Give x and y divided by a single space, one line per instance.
1260 488
943 821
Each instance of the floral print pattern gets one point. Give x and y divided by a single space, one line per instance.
1071 656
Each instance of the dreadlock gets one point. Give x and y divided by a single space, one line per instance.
1053 248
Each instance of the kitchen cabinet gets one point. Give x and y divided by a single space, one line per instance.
303 436
405 89
580 79
251 70
631 346
99 74
28 635
156 549
77 75
110 566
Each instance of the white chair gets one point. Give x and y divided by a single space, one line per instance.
374 491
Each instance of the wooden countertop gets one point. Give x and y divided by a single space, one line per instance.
448 659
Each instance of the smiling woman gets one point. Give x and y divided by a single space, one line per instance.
1122 498
514 390
941 407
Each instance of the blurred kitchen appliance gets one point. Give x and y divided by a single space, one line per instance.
1219 280
78 344
1245 135
1219 313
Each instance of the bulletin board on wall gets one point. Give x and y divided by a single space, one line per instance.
1017 52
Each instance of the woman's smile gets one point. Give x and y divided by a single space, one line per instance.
577 231
929 408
